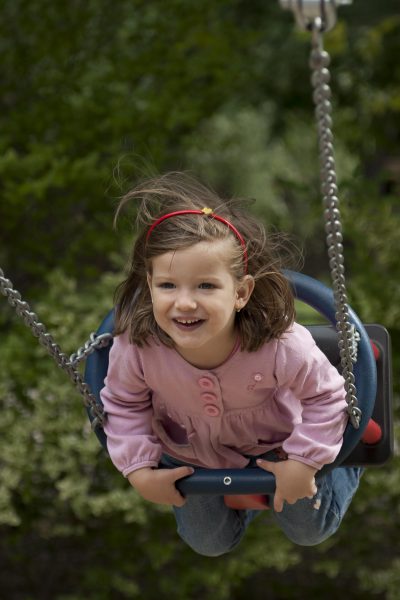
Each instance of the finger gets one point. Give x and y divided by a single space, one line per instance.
278 503
266 465
178 500
180 472
313 493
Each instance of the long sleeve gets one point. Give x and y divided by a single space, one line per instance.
128 405
304 373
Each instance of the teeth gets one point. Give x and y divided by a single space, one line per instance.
188 321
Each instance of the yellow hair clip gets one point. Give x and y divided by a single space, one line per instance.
207 211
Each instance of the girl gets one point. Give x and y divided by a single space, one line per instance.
209 369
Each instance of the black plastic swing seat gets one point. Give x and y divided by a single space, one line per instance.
373 382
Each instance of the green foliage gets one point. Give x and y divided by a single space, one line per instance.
86 85
94 94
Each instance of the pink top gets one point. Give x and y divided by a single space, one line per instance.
285 394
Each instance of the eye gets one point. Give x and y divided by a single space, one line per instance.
206 286
166 285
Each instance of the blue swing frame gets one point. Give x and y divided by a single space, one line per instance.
255 480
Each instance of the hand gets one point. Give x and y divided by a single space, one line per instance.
158 485
294 480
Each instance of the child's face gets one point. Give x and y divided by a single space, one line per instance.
195 298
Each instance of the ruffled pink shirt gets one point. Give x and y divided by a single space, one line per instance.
285 394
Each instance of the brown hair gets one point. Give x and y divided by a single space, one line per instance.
270 309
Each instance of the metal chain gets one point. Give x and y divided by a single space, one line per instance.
319 63
93 343
305 11
30 319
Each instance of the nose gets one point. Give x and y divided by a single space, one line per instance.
185 301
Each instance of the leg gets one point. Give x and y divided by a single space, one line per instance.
209 527
206 524
310 522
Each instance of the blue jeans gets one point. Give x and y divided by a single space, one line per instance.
210 528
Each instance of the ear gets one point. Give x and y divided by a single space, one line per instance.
243 291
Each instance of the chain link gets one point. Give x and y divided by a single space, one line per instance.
93 343
319 63
31 320
305 11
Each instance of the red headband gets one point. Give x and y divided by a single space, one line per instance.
209 213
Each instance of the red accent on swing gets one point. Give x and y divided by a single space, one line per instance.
375 349
373 433
247 501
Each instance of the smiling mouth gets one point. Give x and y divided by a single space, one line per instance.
188 323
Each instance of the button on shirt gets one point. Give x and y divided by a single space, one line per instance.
284 394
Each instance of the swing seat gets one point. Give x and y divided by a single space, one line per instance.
370 444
